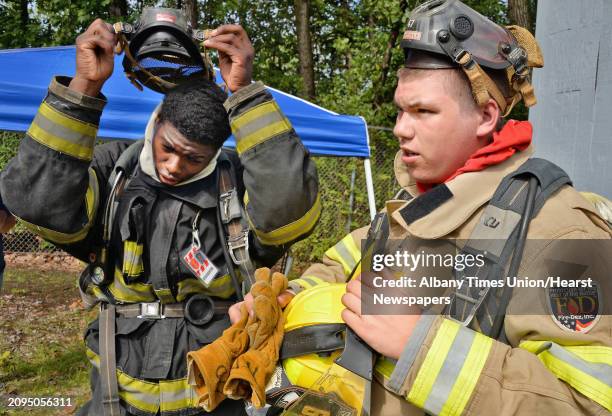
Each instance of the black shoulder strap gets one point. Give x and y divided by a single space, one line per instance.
499 235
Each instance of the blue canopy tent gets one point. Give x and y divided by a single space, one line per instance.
26 73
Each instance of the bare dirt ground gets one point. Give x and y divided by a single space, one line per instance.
57 261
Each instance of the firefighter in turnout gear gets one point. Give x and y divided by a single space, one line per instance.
467 179
151 218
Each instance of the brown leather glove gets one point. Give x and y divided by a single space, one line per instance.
209 367
251 370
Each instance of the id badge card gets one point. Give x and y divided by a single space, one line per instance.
200 265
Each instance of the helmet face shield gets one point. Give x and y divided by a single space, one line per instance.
162 52
477 34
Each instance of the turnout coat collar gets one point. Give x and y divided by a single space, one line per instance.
447 207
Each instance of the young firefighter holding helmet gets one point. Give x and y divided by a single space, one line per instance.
162 222
466 176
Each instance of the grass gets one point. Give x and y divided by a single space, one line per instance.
41 348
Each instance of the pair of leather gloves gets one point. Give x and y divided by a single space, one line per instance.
238 364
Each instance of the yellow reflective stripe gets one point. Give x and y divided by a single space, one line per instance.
176 395
78 140
143 395
432 364
92 196
591 378
188 287
468 376
132 258
65 120
258 124
262 135
221 287
134 292
165 295
346 253
252 114
290 231
91 204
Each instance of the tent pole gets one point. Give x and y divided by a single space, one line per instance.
370 187
351 199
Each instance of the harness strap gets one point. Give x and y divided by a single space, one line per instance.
497 237
233 219
108 359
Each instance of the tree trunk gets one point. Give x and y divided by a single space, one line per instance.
398 27
190 7
518 12
302 19
24 16
118 9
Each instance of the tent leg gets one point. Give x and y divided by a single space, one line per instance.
351 200
370 188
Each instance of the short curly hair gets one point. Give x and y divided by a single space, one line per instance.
196 110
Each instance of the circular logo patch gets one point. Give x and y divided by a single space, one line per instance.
575 309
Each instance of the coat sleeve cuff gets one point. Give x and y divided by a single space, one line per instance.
413 347
59 87
243 94
443 377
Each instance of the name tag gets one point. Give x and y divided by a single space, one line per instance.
200 265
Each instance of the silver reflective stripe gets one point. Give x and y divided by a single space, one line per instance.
60 131
257 124
179 399
309 281
600 371
450 371
410 351
346 255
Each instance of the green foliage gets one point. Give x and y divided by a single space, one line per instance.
8 146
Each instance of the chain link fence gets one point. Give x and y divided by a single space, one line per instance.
343 193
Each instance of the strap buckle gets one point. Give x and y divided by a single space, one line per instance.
151 310
237 243
230 206
474 308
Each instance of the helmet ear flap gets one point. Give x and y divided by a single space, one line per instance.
535 58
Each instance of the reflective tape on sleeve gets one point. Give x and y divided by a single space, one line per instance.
63 133
447 378
292 231
587 369
346 253
258 124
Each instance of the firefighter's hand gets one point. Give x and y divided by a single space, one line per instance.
386 334
95 58
7 221
235 55
234 311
